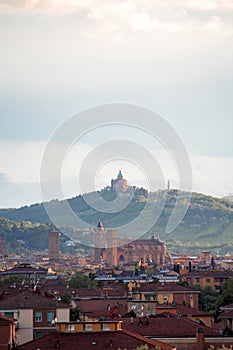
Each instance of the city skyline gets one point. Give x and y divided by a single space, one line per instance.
59 58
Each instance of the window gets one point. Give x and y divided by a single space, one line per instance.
88 327
50 316
38 317
191 297
38 334
208 280
106 327
9 314
165 297
70 327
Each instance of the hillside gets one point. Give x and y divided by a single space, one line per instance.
208 223
230 197
25 234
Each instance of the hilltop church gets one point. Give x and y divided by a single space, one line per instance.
119 184
113 252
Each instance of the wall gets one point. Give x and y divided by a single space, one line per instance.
63 315
25 332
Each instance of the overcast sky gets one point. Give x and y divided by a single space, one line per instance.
61 56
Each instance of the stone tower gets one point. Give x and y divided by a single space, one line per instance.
111 248
54 245
99 242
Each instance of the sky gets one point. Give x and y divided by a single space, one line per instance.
60 57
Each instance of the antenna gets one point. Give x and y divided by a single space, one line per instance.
168 184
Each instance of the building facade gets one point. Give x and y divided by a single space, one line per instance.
106 249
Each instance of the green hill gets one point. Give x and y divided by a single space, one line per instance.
24 234
208 223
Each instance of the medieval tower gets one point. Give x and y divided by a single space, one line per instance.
111 248
54 245
99 242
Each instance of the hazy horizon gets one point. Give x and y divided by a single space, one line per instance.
61 57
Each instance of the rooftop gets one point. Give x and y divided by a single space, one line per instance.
162 327
28 300
210 273
162 287
97 340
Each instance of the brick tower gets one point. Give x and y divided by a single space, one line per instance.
112 247
98 242
54 245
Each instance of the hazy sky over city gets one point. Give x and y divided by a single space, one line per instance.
59 57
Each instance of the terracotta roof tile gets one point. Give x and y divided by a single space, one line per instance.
186 310
95 340
99 308
210 273
166 327
28 300
162 287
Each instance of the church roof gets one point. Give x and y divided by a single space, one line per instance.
100 225
120 176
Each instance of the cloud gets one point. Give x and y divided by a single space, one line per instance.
70 6
209 5
114 16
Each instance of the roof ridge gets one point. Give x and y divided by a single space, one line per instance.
154 342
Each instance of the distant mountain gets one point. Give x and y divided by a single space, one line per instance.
208 223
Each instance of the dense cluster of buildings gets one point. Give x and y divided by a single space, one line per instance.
123 314
131 308
144 297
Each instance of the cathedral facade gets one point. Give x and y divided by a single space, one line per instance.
106 249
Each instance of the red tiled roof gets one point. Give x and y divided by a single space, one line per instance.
166 327
165 287
95 340
115 289
211 273
24 270
227 314
154 241
100 307
85 292
28 300
150 341
184 310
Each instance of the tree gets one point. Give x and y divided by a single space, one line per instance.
75 314
225 297
212 264
207 298
82 281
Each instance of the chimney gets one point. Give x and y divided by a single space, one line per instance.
200 338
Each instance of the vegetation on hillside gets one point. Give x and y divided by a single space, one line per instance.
208 223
